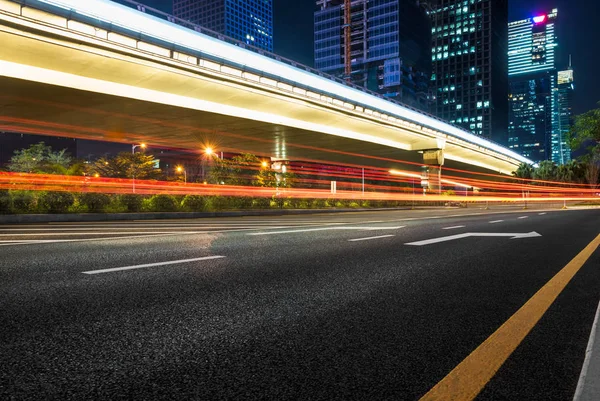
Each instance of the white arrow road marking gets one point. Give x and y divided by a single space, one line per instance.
465 235
326 228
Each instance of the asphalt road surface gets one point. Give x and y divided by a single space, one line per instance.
353 306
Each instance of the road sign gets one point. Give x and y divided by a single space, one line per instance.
465 235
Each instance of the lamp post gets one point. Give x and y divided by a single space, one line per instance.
208 153
143 146
181 169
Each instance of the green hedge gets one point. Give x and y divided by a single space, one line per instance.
65 202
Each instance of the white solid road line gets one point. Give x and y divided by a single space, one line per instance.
368 238
588 387
102 233
325 229
173 262
523 217
452 228
496 221
54 241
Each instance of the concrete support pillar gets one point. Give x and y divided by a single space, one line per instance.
432 171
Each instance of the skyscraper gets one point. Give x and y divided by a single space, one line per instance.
470 72
388 48
533 107
249 21
559 145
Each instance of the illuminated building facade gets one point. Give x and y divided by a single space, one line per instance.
470 72
389 47
535 128
249 21
559 145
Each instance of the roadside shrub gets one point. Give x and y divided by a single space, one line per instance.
131 202
319 203
95 202
163 203
341 203
23 201
354 205
193 203
55 202
240 202
261 203
5 202
216 203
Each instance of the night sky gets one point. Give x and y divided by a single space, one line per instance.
578 31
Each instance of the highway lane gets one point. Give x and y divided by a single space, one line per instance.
312 307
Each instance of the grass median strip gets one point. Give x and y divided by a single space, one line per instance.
172 262
467 380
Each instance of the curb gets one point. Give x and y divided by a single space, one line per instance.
588 387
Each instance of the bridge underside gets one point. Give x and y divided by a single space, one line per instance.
56 82
36 108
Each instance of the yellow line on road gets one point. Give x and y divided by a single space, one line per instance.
467 380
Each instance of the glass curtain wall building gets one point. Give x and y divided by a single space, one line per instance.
389 47
559 144
470 71
249 21
532 80
533 98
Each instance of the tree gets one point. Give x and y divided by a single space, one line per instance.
39 158
524 170
29 160
248 170
592 170
573 172
586 132
546 171
127 165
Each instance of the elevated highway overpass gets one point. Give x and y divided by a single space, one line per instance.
99 70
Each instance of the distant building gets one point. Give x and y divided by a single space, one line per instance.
470 71
559 144
249 21
389 47
533 107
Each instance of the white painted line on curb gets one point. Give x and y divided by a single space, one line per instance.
523 217
368 238
496 221
582 393
173 262
452 228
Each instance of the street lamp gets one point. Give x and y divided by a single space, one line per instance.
181 169
141 145
208 151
